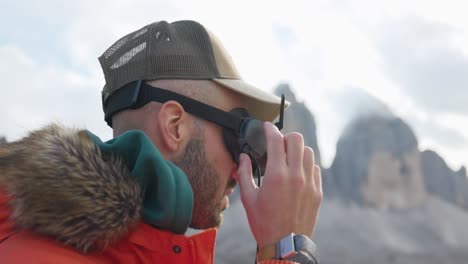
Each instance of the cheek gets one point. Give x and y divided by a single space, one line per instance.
217 153
219 157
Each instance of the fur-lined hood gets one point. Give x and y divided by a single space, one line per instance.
61 186
67 184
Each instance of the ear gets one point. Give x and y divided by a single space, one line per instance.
174 125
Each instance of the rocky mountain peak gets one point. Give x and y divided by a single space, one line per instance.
381 133
298 118
285 89
462 172
378 163
441 181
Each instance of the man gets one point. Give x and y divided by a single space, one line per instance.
186 130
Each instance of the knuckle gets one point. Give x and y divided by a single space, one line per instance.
271 170
277 174
319 196
276 170
296 172
309 174
310 184
275 135
278 180
294 137
319 193
316 195
298 181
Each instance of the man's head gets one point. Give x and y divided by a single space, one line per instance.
184 58
192 143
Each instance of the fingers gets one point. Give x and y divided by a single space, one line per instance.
275 145
294 150
318 178
246 181
290 196
309 162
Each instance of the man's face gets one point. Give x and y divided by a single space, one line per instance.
208 168
205 159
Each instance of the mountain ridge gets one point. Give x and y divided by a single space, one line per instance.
386 201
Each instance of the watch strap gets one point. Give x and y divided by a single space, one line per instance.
266 252
304 250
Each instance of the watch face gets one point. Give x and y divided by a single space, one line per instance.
286 247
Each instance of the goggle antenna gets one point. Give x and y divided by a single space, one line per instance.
279 124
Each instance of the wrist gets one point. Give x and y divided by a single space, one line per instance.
266 252
298 248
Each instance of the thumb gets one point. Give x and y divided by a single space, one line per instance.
246 181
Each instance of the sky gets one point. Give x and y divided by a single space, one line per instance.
342 58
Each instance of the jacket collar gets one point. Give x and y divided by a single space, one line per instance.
67 184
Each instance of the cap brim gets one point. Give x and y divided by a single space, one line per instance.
264 106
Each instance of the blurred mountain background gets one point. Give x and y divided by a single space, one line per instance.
386 201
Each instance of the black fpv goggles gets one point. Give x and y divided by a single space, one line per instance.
242 133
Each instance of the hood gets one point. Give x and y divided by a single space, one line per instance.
69 185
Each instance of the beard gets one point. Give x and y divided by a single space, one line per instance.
206 185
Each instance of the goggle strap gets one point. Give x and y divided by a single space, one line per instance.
136 94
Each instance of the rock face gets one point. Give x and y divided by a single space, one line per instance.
431 233
298 118
388 202
441 181
378 163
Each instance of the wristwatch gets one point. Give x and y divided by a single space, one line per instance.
298 248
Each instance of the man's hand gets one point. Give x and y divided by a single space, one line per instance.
289 198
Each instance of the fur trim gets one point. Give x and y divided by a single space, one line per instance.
61 186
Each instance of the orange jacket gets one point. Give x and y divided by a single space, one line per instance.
144 245
63 201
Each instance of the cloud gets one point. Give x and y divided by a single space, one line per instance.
354 102
420 56
317 47
34 94
50 59
445 136
284 35
35 27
